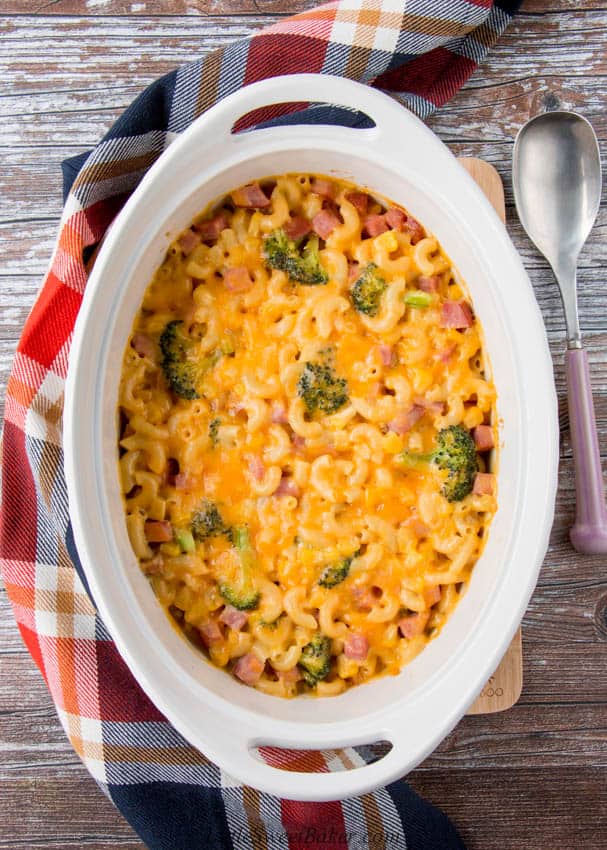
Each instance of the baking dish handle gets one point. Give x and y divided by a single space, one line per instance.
301 88
316 787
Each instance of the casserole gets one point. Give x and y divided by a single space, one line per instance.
302 431
416 709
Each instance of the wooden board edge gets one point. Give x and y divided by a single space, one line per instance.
504 688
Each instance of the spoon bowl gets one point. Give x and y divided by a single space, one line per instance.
557 182
556 175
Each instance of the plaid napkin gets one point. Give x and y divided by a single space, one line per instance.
421 52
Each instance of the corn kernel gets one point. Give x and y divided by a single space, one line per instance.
392 443
387 241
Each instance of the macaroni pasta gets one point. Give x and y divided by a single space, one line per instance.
306 427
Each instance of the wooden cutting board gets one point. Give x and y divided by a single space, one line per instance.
503 688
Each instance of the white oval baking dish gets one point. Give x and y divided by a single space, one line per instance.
403 160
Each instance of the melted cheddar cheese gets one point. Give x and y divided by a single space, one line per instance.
264 422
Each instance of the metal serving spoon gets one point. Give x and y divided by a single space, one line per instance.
557 190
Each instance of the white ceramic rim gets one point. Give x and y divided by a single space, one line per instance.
230 731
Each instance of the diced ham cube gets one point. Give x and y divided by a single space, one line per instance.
435 407
353 271
256 467
428 284
237 279
210 633
386 354
188 241
287 487
233 618
249 668
413 625
395 218
158 531
209 230
297 227
324 188
483 438
144 346
356 646
414 228
251 196
456 314
279 414
432 595
405 420
289 677
484 484
375 225
325 222
359 200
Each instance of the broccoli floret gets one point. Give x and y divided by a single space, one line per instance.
207 522
214 431
239 591
312 272
315 659
301 266
281 252
321 389
178 368
243 600
335 573
367 291
455 454
179 364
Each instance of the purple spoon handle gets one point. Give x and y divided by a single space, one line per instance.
589 532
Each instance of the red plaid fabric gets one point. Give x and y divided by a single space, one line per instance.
421 51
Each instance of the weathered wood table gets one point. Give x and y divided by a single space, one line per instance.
535 776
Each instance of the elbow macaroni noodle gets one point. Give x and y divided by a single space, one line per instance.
313 488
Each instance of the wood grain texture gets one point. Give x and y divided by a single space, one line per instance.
505 685
530 777
512 809
179 8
